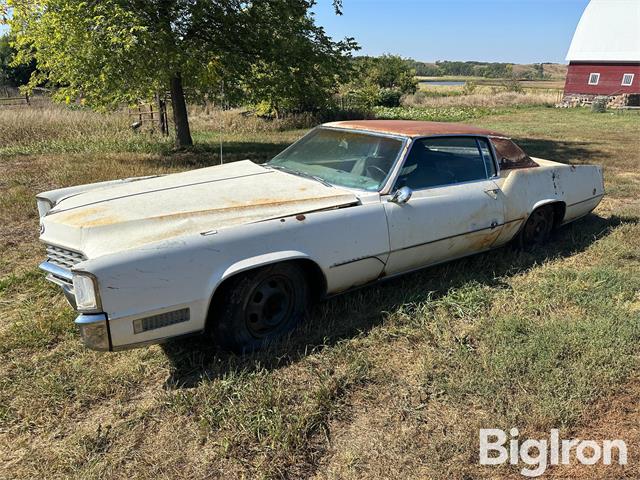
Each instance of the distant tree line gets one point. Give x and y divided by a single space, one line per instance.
475 69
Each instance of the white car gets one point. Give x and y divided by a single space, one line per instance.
239 250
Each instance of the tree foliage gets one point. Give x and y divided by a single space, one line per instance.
303 70
387 71
13 75
115 51
380 81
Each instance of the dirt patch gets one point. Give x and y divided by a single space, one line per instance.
617 417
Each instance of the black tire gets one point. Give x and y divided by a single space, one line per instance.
537 229
260 306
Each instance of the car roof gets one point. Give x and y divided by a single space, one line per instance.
413 128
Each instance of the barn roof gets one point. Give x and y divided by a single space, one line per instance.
413 128
608 32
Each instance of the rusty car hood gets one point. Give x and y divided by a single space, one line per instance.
127 215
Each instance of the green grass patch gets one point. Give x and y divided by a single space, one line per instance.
445 114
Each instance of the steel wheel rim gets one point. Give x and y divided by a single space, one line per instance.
537 227
270 306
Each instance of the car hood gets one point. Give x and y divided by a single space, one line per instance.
125 215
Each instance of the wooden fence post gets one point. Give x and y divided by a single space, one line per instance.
162 115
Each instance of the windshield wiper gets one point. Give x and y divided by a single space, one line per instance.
301 174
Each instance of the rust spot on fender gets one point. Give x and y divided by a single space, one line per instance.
300 218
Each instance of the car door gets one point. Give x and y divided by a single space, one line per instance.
455 209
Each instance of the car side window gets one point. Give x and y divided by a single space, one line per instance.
486 155
440 161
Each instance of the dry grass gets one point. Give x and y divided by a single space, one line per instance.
482 98
387 382
52 123
243 121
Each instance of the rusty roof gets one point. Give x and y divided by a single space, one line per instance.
413 128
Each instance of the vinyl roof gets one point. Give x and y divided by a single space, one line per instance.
413 128
609 31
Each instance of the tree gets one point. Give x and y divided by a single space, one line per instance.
381 81
388 71
305 72
13 76
115 51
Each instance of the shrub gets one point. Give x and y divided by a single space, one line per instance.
389 97
599 105
469 88
513 85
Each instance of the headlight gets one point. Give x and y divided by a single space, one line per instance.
44 206
86 292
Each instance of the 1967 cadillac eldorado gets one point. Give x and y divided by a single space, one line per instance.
239 250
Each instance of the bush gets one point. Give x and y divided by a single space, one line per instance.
389 97
513 85
469 88
365 97
599 105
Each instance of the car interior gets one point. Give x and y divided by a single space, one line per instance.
444 161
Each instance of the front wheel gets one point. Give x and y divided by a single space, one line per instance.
538 228
260 306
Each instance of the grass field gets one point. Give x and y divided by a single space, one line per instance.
494 94
391 381
551 84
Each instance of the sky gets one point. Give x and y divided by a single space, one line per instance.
514 31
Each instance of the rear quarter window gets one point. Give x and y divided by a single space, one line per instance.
510 155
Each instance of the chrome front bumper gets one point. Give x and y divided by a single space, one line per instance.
94 331
94 328
62 278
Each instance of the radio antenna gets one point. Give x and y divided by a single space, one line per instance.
221 116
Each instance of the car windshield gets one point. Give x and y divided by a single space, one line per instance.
341 157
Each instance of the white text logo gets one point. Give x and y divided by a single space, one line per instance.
539 454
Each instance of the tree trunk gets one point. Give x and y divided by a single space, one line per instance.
180 118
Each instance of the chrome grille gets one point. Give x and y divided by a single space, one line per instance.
63 257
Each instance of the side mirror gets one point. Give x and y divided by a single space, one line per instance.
402 195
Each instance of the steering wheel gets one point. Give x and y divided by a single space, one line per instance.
375 172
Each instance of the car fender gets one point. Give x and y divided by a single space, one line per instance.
538 204
256 261
261 261
541 203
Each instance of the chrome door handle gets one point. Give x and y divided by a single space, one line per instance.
493 193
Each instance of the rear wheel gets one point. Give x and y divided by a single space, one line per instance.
538 228
260 306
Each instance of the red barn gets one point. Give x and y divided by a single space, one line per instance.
604 57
